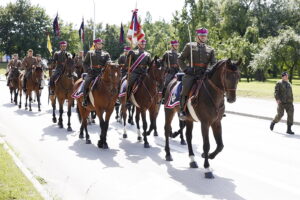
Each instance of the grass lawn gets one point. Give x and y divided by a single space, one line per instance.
3 68
13 184
265 89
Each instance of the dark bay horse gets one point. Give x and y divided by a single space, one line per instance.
207 106
14 85
63 91
33 84
146 98
103 98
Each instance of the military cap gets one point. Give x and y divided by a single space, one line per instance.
143 42
284 74
30 50
174 42
127 48
98 40
15 54
38 55
63 43
202 31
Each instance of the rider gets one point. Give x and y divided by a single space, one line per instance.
122 61
94 63
203 56
170 62
79 61
28 62
59 59
41 64
14 63
140 61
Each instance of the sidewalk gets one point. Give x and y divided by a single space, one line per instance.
259 108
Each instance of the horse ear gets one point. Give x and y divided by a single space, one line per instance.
239 62
73 55
228 61
156 57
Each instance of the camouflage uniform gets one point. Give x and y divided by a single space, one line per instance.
141 69
121 62
27 64
284 93
13 69
59 59
170 61
94 64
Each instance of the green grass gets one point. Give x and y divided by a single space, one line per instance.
265 89
13 184
3 68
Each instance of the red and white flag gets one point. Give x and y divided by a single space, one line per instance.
135 32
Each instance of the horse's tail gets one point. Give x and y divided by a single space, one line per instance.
78 113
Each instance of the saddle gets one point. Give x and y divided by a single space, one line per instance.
123 88
79 92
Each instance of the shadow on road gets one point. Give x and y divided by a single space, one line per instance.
54 131
92 152
194 181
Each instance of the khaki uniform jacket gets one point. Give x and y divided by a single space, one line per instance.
283 92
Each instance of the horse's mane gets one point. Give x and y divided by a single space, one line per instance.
232 66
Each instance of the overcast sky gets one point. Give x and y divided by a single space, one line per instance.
107 11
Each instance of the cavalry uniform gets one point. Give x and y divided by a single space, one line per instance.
140 62
122 61
13 66
41 64
79 62
27 64
94 63
203 57
284 95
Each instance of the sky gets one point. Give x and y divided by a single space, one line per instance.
107 11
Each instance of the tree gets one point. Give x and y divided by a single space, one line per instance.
23 26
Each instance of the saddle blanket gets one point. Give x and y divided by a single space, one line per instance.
123 88
79 92
174 96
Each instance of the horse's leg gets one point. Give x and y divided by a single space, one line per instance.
61 110
117 108
106 124
11 93
146 144
30 100
20 95
124 117
102 127
206 147
16 97
26 99
137 121
152 114
93 116
87 136
169 114
70 103
189 130
217 131
181 125
53 102
38 97
84 115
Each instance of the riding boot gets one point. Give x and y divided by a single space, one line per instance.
272 125
182 114
128 94
85 92
289 130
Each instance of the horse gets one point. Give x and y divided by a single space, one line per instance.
103 97
146 98
33 84
63 91
207 106
14 85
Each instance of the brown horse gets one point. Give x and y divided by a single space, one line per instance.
207 106
146 98
63 91
103 98
14 85
33 84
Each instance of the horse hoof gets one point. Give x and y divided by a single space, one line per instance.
175 134
155 133
26 108
139 138
69 129
19 106
169 158
93 121
30 110
80 136
182 142
60 125
88 142
105 146
146 145
209 175
211 156
54 120
124 135
193 164
102 145
132 123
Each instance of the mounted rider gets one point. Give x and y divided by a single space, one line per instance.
94 63
122 61
44 67
59 59
140 62
203 56
28 63
15 63
170 62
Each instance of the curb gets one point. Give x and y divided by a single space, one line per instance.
26 172
257 116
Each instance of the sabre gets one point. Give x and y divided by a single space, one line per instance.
191 46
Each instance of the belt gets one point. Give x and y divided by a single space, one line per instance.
60 63
98 66
200 65
142 65
174 65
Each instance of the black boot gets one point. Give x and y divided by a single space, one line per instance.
289 130
85 101
272 126
182 114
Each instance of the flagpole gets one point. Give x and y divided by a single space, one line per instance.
94 30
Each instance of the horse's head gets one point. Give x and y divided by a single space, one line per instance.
225 75
37 73
112 72
157 71
231 76
69 66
